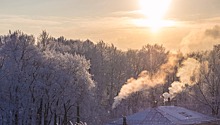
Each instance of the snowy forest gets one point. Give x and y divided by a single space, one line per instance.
44 80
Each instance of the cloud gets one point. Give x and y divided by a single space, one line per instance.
201 39
117 28
83 28
27 20
214 32
130 14
28 24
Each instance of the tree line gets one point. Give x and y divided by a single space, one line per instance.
44 80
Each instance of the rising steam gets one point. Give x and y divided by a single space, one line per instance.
188 76
145 80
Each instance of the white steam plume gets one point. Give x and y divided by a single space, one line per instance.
166 95
145 80
188 76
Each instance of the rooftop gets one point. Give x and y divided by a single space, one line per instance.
167 115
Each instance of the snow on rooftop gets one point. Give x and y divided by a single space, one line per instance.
165 115
180 115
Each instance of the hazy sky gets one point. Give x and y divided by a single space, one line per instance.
196 21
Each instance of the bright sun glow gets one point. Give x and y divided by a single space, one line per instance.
154 10
155 25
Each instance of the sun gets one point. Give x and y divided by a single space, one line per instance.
154 9
154 12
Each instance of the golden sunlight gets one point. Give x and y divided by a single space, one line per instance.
154 11
154 25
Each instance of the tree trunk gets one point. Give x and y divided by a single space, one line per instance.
46 113
39 113
77 114
65 115
55 119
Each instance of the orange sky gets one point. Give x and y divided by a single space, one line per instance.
196 22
